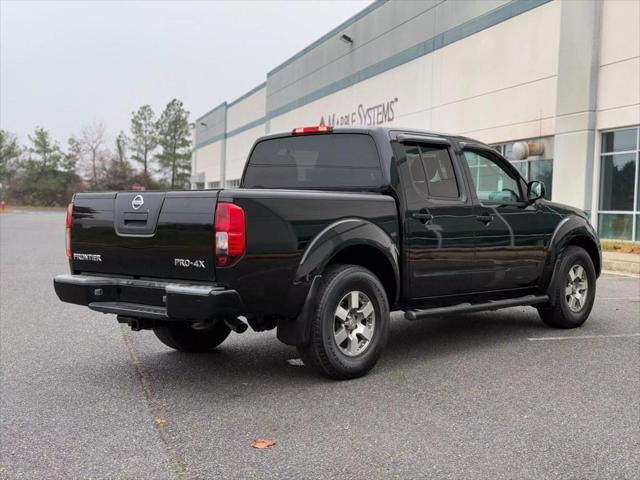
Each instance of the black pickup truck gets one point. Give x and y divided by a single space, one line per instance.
330 230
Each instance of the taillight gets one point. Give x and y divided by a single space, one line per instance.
229 233
316 129
68 229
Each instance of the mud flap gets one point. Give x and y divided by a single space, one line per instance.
295 331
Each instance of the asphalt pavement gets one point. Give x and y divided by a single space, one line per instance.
493 395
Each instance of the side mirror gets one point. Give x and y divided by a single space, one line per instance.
535 191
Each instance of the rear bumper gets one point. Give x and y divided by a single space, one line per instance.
149 299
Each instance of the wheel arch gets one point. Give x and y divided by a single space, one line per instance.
350 241
591 247
374 260
354 241
572 231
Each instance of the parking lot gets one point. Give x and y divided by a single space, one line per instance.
487 395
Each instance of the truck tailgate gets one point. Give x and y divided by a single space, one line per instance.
145 234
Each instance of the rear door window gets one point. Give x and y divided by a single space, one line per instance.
339 160
431 170
441 178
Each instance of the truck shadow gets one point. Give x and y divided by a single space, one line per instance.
261 363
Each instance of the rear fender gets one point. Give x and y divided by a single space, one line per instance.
326 245
341 235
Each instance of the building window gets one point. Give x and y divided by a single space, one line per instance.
540 169
233 183
213 185
619 201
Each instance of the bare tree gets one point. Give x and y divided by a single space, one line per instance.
91 142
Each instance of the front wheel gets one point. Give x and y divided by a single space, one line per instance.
197 337
350 324
573 291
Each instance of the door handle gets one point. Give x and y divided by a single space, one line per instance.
485 218
424 217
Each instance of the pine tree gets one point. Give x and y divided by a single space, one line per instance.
44 153
174 138
144 137
10 152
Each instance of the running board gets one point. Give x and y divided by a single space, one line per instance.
475 307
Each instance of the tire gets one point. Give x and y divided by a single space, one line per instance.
347 343
564 309
185 337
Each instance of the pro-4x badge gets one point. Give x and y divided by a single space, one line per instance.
185 262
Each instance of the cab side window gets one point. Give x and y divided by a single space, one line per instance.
431 171
492 182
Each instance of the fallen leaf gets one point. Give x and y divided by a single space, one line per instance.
263 443
159 422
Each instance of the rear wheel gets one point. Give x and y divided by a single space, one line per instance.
573 291
197 337
350 324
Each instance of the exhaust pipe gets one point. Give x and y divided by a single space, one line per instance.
236 325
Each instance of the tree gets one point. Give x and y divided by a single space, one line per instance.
119 175
174 138
46 177
10 153
73 154
121 148
144 137
44 153
91 143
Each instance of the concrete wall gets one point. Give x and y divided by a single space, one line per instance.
238 147
209 151
496 70
209 162
494 94
223 137
387 30
619 67
579 51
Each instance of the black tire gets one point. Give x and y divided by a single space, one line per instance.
185 337
557 313
322 353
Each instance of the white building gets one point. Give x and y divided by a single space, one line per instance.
559 76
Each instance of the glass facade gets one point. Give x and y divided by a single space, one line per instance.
619 201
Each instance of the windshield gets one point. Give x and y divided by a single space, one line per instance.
339 160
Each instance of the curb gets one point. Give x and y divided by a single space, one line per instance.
621 266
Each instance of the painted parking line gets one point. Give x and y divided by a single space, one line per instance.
584 337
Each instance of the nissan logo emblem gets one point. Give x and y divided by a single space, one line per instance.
137 202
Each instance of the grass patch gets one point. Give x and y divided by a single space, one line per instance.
621 247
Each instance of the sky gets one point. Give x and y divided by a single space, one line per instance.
67 64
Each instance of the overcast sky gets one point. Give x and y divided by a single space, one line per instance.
65 64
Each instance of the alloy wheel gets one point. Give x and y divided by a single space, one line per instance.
354 323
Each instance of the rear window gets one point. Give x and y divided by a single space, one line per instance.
339 160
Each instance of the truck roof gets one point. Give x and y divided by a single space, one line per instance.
386 131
